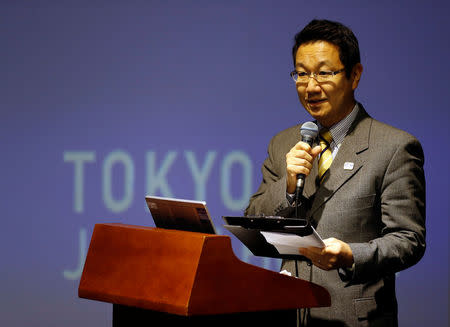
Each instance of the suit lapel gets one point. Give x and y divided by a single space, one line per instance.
350 152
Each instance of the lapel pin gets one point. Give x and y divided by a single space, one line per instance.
348 165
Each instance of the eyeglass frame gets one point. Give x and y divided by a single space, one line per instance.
314 75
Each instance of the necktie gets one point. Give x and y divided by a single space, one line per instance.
326 157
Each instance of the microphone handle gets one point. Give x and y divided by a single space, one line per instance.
301 177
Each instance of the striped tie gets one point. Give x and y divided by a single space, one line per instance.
326 157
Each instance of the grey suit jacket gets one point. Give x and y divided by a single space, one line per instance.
378 207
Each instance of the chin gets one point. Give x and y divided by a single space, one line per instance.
322 120
322 115
317 115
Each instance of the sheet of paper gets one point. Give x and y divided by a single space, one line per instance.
290 243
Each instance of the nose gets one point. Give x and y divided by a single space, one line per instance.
312 86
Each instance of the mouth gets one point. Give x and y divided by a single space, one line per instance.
315 102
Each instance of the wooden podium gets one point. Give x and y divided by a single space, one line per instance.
155 276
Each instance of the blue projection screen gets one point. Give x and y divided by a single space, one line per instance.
104 102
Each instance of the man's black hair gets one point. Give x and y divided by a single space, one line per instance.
335 33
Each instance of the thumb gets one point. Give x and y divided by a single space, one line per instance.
316 151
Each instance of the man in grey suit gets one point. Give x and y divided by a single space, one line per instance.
368 205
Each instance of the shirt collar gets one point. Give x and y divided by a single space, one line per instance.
340 129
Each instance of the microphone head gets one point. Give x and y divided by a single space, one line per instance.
309 131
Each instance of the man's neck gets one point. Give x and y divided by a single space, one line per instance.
347 112
339 130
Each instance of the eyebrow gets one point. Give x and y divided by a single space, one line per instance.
320 63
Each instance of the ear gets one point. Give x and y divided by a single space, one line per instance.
356 75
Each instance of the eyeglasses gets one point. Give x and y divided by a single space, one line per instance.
322 76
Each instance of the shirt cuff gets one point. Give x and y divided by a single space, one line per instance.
352 268
346 274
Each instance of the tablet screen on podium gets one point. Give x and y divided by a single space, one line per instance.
270 223
273 236
180 214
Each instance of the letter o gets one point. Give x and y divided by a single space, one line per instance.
118 157
241 158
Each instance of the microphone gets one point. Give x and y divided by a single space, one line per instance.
308 131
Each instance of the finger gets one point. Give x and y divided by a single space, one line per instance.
320 261
323 266
295 170
315 251
305 252
330 241
333 246
317 257
298 160
302 146
297 166
311 253
300 163
301 154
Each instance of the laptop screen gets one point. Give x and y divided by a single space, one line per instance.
180 214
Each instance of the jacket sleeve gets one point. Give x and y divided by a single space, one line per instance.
270 198
402 204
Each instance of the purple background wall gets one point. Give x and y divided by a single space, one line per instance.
104 102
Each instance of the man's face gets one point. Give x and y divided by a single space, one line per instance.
328 101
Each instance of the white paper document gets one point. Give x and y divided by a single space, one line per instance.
290 243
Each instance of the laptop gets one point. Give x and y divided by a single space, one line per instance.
180 214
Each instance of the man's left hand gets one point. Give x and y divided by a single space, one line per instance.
336 254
